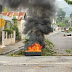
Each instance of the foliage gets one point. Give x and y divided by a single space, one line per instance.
68 51
49 44
61 20
15 28
61 14
19 53
69 1
5 9
15 20
70 28
47 51
64 23
71 15
9 31
8 25
67 31
26 40
61 24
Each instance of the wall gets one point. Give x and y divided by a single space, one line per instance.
9 39
21 28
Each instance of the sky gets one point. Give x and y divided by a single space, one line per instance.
62 4
60 0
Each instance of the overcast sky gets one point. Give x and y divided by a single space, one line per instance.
60 0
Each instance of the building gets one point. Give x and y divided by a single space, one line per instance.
20 17
6 39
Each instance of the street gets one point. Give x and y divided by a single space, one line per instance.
42 63
36 64
61 43
36 68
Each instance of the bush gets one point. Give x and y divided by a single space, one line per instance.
70 28
20 53
49 44
15 28
68 51
9 31
47 51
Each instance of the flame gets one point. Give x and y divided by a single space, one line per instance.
34 48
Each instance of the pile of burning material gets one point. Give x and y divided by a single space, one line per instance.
34 50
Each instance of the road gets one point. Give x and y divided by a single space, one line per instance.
36 68
42 63
36 64
61 43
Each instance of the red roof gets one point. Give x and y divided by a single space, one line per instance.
16 14
19 15
10 14
5 13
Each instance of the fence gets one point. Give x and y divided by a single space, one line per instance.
9 38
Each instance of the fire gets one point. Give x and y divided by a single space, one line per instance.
34 48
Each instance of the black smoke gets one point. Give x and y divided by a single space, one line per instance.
39 21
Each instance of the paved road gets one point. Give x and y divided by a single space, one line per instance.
35 64
36 68
61 43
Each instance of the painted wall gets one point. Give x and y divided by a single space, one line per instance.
21 28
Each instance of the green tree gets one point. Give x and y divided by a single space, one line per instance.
61 24
66 22
71 15
70 19
61 14
69 1
5 9
15 28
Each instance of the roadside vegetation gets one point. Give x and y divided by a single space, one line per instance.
18 54
47 51
68 51
12 28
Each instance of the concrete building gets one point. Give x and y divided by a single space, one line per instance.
6 39
20 16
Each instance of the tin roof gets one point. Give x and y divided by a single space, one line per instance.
19 15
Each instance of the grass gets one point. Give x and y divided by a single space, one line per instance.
18 54
48 51
68 51
68 31
49 44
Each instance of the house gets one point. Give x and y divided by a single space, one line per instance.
20 16
6 39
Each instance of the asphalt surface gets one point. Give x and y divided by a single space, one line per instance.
36 64
36 68
41 63
61 42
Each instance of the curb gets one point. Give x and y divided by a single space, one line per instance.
13 50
